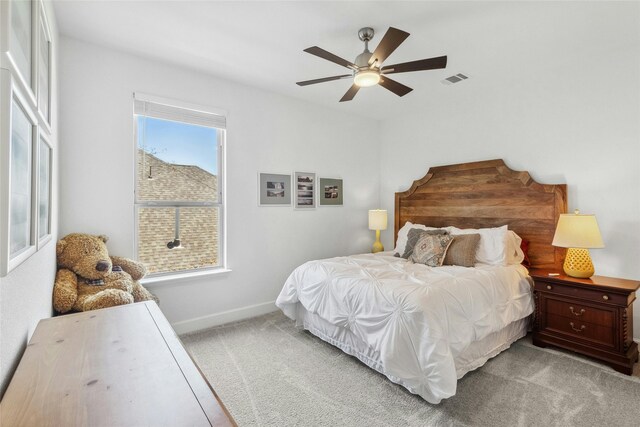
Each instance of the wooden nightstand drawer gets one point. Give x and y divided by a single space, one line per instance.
581 330
580 312
582 293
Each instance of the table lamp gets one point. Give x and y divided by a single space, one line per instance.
578 233
377 222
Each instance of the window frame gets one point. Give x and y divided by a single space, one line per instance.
220 203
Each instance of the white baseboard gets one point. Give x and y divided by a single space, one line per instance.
216 319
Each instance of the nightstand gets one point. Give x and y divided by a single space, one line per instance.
592 316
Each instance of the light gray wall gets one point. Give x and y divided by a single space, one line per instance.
265 132
25 293
576 122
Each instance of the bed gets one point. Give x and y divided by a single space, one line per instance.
425 327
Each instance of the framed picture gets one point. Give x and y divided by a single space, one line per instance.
44 66
330 192
44 168
305 190
17 165
22 15
274 189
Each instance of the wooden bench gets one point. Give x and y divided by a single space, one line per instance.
120 366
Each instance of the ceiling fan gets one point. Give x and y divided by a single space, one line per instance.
367 69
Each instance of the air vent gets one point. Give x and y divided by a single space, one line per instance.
454 79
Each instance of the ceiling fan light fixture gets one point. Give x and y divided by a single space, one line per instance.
366 78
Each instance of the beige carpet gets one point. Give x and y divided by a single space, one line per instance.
269 373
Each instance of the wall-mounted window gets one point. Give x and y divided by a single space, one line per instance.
179 196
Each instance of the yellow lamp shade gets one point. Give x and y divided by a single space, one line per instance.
578 233
377 219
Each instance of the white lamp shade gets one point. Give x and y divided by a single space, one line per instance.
577 231
377 219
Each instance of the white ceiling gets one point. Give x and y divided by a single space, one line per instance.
260 43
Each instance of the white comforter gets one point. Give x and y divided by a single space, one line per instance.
416 317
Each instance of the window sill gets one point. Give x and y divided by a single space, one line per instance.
169 279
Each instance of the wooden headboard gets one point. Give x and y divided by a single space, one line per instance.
487 194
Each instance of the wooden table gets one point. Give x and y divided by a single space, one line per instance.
120 366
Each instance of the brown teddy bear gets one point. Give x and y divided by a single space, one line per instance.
88 278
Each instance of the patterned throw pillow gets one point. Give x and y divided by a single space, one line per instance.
413 236
431 249
462 250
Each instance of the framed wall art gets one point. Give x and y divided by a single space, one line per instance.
22 15
44 67
17 228
27 142
305 190
274 189
44 168
330 192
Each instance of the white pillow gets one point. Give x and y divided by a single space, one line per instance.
492 248
403 236
514 251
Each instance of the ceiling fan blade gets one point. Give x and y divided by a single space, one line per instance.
325 79
420 65
395 87
315 50
350 93
390 41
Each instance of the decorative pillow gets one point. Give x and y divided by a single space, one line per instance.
493 241
515 255
463 250
401 242
431 249
415 234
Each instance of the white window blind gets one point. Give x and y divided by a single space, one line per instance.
184 114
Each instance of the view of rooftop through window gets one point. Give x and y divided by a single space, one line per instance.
178 214
179 143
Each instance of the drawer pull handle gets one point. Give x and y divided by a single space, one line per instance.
582 328
605 297
582 311
549 287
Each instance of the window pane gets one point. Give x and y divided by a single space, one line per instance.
198 232
43 73
43 189
176 161
20 184
21 37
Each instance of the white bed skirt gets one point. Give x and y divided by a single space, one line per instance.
471 358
